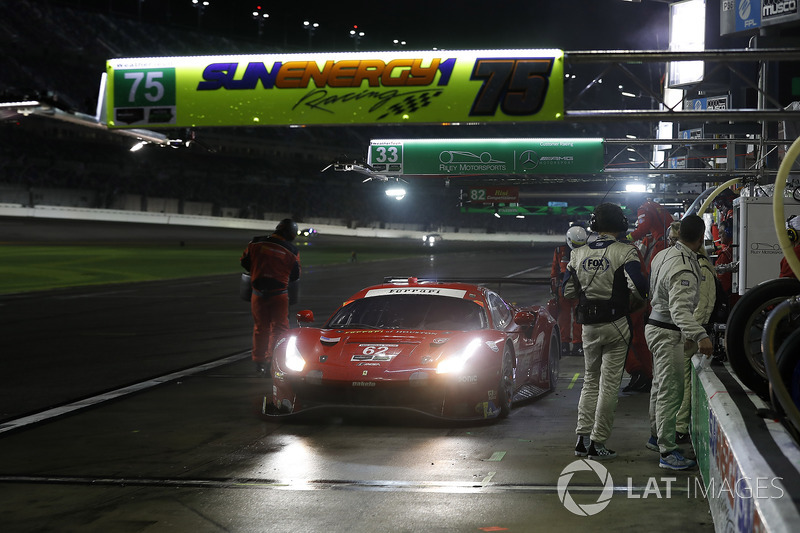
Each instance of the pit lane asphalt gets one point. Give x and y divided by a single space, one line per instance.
193 454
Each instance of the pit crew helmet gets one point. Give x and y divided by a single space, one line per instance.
792 228
576 237
674 233
287 228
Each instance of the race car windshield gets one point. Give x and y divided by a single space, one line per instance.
411 311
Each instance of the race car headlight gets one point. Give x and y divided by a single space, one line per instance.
294 361
455 363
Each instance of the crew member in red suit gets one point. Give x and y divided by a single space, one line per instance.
272 262
639 363
725 257
652 219
723 203
571 339
652 227
793 227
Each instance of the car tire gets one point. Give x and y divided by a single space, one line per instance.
788 361
505 388
554 358
745 327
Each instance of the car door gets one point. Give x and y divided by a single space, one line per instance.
503 319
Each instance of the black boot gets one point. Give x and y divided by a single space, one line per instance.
636 377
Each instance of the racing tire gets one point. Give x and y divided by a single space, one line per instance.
505 389
788 360
554 358
745 327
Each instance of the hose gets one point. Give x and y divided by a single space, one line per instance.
783 309
779 388
714 194
778 213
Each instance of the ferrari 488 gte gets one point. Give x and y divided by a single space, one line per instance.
452 350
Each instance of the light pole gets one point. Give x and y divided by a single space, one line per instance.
356 36
261 19
200 6
311 28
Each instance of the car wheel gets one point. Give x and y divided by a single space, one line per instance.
505 389
745 327
788 361
554 358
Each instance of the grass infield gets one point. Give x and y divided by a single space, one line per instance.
26 268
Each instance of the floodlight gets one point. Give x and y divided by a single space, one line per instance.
398 192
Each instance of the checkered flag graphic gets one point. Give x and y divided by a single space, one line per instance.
411 103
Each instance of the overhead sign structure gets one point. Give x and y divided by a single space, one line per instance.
751 15
492 195
336 88
485 156
530 210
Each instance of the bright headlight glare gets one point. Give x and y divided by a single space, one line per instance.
456 363
294 361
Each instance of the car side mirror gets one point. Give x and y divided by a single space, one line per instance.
305 317
524 318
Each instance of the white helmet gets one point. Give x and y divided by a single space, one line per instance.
576 237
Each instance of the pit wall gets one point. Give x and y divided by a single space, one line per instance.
146 217
750 465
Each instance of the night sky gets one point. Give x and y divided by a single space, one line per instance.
565 24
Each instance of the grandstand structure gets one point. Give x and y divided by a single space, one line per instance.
56 54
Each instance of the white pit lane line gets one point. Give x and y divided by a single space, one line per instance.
515 274
112 395
300 485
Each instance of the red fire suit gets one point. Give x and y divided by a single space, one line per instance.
726 278
568 326
272 263
786 270
652 228
653 219
640 360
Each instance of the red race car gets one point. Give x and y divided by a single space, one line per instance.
446 349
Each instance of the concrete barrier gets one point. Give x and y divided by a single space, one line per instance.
750 464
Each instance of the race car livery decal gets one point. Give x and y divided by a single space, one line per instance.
375 352
433 291
487 409
336 88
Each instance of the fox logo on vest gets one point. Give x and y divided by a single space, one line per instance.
595 264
